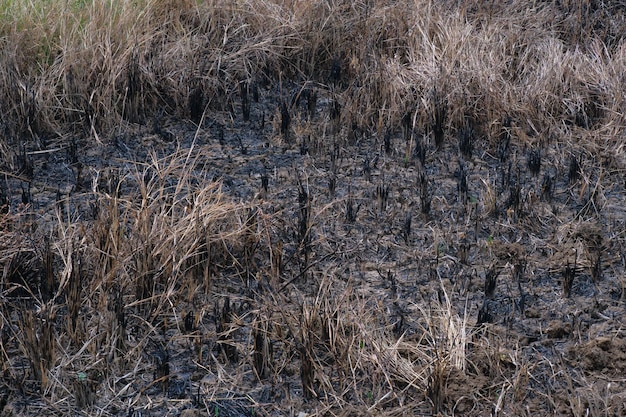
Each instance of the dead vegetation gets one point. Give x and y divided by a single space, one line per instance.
312 208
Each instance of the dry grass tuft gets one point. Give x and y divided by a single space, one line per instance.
143 259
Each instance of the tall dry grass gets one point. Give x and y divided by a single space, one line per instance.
117 283
91 67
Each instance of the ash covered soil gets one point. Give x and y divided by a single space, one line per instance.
518 238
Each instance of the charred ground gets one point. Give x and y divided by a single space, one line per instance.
336 232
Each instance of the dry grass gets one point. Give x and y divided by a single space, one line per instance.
89 67
145 287
140 260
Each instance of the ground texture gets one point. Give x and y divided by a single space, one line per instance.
372 274
341 208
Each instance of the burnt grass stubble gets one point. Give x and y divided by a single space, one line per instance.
333 225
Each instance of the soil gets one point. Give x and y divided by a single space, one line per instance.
389 234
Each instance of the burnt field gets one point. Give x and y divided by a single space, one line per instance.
288 208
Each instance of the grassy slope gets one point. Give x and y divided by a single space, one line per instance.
92 69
